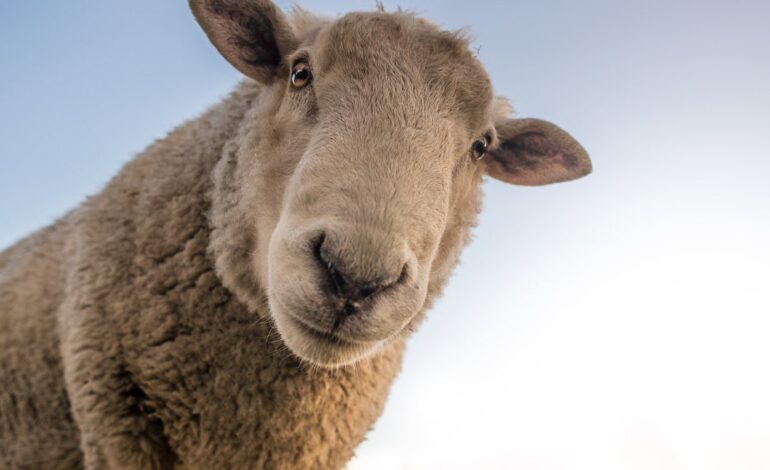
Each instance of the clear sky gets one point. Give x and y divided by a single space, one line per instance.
618 322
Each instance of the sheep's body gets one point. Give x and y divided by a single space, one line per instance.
36 428
314 214
117 310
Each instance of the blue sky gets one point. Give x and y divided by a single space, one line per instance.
615 322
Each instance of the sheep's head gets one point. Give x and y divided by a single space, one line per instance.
357 174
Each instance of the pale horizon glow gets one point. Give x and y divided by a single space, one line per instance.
617 322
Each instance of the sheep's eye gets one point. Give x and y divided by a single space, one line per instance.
301 76
480 148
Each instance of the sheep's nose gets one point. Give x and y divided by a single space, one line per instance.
343 284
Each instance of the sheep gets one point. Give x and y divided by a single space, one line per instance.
240 294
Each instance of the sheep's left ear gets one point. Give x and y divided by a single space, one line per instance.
253 35
532 152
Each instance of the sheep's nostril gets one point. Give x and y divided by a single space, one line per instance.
345 285
329 265
365 292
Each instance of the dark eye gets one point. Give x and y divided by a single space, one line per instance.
480 148
301 76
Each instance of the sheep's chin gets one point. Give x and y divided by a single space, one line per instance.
320 349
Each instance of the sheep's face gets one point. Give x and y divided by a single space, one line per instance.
359 168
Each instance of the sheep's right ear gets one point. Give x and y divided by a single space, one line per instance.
253 35
534 152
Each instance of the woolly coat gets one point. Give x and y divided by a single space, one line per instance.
120 347
134 333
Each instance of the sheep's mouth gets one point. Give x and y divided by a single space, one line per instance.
322 348
325 337
321 336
